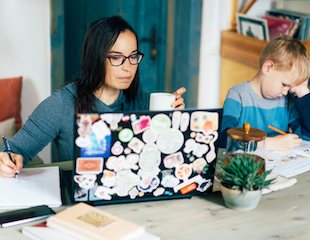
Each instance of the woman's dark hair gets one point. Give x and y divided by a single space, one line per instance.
100 38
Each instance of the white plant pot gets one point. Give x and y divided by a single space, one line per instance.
240 201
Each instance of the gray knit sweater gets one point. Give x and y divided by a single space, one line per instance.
54 120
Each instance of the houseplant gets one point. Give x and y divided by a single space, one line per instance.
241 181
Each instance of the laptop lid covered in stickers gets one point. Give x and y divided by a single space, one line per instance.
141 156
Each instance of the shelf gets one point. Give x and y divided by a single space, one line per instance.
245 49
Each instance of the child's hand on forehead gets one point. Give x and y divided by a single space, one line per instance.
300 89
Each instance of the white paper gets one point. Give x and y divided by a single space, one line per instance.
36 186
289 164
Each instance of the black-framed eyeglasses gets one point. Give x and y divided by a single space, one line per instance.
118 60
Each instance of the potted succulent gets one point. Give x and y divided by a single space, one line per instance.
241 181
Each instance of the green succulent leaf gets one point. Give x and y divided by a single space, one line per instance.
240 171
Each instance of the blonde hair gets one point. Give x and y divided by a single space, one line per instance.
287 53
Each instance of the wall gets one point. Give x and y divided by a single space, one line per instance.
25 51
216 17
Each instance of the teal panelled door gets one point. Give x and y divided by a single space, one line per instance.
148 18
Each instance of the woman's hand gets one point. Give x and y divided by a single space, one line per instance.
7 167
179 101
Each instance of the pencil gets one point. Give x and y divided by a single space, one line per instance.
9 153
277 130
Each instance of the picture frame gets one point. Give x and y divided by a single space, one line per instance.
252 27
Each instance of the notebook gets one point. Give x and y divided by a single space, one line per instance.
141 156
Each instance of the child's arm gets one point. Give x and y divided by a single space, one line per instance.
285 142
302 103
301 89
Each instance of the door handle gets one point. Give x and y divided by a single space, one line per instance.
153 41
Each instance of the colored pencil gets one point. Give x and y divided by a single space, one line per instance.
277 130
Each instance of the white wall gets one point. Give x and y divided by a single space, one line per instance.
216 17
25 51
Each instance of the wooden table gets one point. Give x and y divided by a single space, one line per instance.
284 214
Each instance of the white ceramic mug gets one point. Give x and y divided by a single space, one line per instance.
161 101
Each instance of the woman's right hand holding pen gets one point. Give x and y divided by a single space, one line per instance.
7 167
285 142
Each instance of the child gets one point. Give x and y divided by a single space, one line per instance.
265 100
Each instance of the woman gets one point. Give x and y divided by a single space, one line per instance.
109 83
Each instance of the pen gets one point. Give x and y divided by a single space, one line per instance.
9 153
277 130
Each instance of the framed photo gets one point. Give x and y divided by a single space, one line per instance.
252 27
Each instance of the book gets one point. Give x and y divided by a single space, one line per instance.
35 187
304 20
298 20
42 232
278 26
85 222
289 163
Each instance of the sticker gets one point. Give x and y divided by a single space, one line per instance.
133 193
169 181
136 145
108 178
112 118
148 183
133 117
199 164
80 195
188 188
176 119
125 135
203 185
104 193
82 142
125 180
161 123
203 138
84 125
100 138
117 148
173 160
120 163
197 149
150 136
170 142
168 193
184 121
125 118
142 124
211 154
196 179
127 151
205 122
183 171
193 135
89 165
85 181
150 157
159 191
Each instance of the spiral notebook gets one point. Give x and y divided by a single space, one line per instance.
129 157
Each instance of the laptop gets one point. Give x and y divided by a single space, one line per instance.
141 156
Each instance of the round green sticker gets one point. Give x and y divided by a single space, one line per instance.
125 135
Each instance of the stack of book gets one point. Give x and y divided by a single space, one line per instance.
276 22
300 23
86 222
